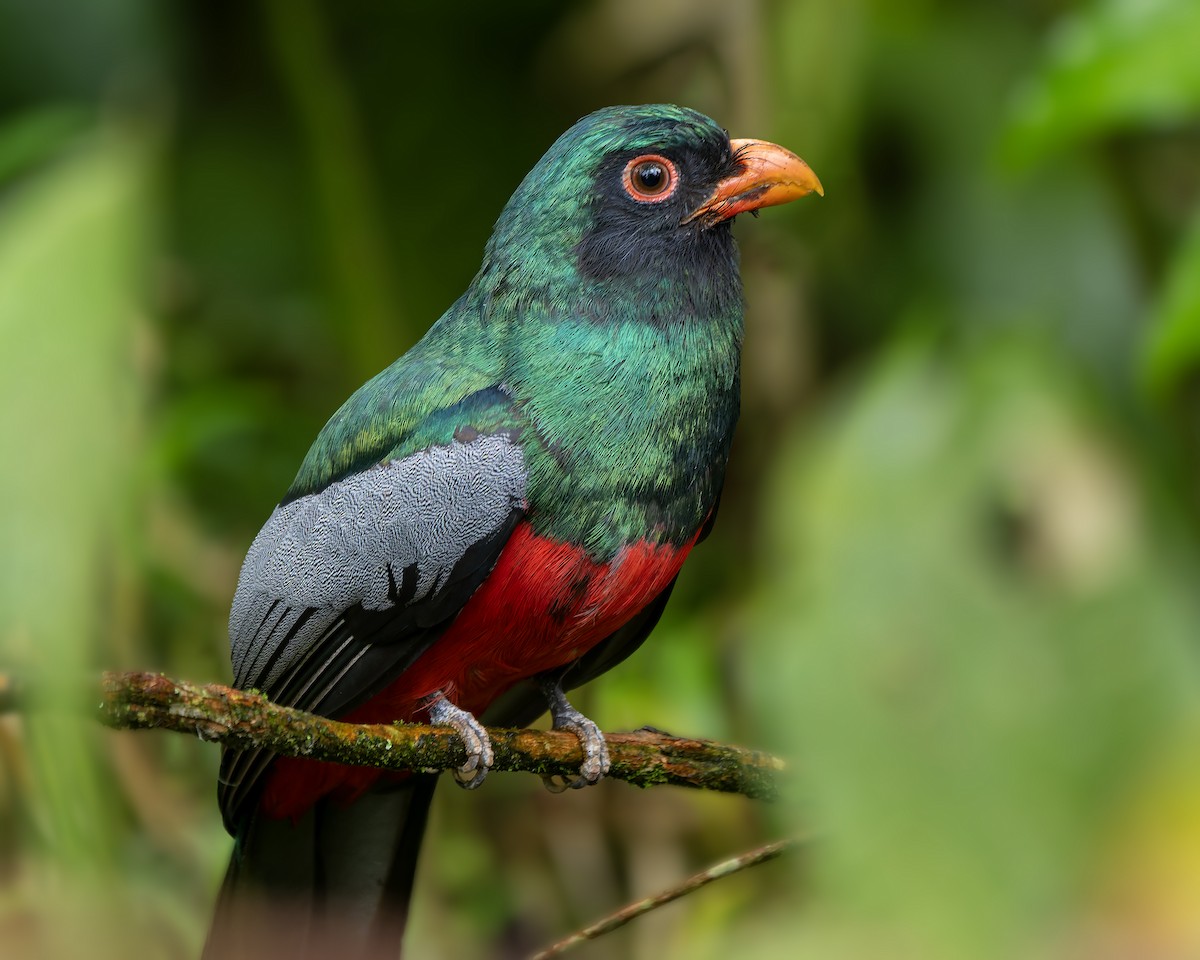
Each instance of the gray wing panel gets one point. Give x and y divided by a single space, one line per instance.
387 538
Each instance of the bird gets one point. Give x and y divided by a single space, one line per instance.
497 517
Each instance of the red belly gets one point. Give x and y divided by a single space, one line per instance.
544 605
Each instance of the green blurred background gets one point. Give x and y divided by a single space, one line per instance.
954 577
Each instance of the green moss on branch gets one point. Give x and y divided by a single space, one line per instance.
242 719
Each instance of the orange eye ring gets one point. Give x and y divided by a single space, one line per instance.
650 178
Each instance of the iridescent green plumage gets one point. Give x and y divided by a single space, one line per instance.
615 339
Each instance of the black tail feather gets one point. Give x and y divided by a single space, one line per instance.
335 883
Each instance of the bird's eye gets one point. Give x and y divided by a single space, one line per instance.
650 178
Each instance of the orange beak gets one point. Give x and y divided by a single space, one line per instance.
768 175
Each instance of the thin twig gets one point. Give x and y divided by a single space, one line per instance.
247 720
621 917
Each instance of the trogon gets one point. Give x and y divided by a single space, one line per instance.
498 516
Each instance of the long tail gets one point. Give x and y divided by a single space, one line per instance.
335 883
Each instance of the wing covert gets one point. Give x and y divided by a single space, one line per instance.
387 540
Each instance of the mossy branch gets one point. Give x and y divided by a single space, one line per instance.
244 720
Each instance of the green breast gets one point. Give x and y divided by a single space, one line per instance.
630 423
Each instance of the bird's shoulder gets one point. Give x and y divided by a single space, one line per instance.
448 387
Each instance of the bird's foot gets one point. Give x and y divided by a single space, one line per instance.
443 713
595 751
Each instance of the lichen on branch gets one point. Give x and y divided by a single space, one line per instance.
244 719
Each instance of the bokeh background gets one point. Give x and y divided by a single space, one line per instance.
955 574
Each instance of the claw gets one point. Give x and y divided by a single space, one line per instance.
595 751
555 783
474 737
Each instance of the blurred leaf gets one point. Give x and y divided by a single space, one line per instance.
1148 884
969 647
72 257
36 135
1116 63
1174 340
